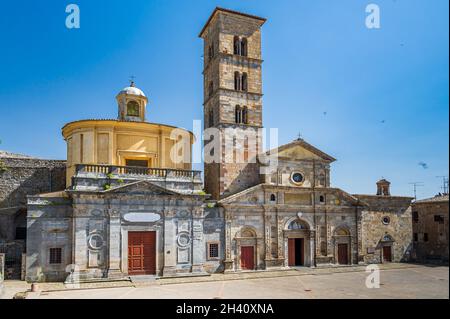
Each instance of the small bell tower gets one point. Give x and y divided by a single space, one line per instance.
383 187
132 104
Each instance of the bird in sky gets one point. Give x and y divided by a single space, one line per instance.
424 165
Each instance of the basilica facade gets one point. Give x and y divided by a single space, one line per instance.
130 209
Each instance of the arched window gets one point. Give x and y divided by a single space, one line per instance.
237 81
244 47
247 232
297 225
342 232
238 114
133 108
236 45
244 82
211 88
273 197
322 199
245 115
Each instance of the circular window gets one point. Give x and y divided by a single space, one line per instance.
297 178
386 220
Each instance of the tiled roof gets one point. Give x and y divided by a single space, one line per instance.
435 199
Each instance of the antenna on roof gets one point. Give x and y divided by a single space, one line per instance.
444 183
416 184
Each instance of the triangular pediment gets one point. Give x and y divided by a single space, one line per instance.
253 195
141 187
300 150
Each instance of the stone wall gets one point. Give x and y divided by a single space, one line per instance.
432 247
49 225
385 221
29 176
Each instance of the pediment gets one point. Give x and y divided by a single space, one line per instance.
300 150
251 196
141 188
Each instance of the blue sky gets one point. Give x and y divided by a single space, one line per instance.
318 57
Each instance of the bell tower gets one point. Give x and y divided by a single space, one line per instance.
232 99
132 104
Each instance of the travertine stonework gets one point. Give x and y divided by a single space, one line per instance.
263 213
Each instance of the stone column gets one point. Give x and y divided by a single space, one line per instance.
170 252
267 239
198 246
228 262
114 244
312 247
281 244
78 271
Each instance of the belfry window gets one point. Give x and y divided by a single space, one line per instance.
132 108
244 82
236 45
244 47
238 114
237 81
245 115
240 46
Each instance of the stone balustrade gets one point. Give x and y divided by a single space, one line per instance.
93 176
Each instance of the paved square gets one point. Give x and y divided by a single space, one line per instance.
411 282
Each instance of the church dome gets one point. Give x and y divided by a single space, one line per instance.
132 90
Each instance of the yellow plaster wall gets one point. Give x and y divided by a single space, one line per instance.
111 142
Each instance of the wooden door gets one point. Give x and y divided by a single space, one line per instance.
291 251
247 257
343 254
142 253
387 254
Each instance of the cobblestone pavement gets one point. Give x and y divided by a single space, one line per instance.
396 282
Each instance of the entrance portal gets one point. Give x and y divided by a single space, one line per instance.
142 253
387 254
296 251
343 254
247 258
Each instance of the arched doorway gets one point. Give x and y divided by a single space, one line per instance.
342 246
298 243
